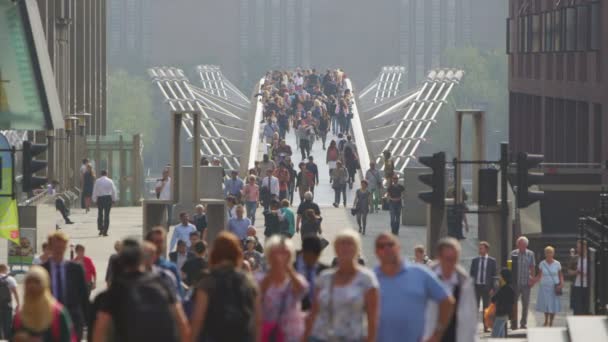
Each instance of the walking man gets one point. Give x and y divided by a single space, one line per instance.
104 194
483 270
374 181
68 284
580 288
523 262
314 170
463 325
411 286
233 186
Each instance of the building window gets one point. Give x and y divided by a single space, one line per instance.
548 32
595 26
558 31
536 33
582 28
597 133
570 28
521 25
511 36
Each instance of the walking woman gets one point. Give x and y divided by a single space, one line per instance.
88 181
311 224
323 127
333 154
226 289
251 195
42 318
551 281
339 179
345 296
304 180
282 290
351 161
363 201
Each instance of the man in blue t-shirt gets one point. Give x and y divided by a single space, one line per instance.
409 286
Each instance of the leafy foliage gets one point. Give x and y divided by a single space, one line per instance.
484 86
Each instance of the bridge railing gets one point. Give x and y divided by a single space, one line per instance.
252 153
358 133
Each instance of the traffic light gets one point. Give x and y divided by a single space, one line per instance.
525 179
436 180
31 166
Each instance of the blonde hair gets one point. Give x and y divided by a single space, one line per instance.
350 236
37 312
550 249
279 241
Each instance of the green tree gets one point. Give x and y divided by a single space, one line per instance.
484 86
130 107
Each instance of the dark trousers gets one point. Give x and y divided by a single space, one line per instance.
282 194
6 322
339 189
482 293
395 211
104 204
580 300
60 206
304 148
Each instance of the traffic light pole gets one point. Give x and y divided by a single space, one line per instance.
504 205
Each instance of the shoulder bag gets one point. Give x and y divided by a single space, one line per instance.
556 288
272 331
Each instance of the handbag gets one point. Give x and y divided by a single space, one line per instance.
558 291
324 243
354 211
489 314
271 331
385 204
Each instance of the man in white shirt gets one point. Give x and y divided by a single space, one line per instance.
8 287
269 189
163 192
463 326
483 271
182 231
580 287
104 194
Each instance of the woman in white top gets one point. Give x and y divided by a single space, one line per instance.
345 307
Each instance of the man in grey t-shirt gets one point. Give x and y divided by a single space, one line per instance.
523 269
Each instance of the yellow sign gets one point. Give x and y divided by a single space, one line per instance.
9 219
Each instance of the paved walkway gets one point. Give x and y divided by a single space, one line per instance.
324 194
126 222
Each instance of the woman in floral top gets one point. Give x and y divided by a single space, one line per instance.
345 296
282 291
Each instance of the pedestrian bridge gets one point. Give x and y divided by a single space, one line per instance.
386 116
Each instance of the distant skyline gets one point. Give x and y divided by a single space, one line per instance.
247 37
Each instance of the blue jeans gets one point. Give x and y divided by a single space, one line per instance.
251 206
395 211
499 329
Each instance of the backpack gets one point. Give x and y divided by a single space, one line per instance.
231 307
149 310
5 292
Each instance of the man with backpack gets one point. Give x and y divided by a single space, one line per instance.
140 305
8 287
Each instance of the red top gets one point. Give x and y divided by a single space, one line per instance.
89 268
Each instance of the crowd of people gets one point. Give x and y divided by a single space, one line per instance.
172 286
